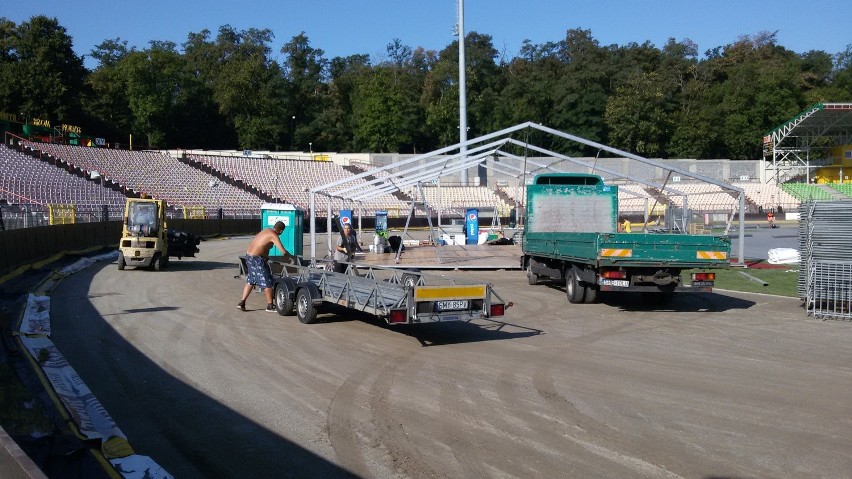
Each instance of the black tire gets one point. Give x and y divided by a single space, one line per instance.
573 288
283 303
155 262
409 280
532 278
305 309
121 262
591 295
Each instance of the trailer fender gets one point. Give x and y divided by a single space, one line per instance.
316 297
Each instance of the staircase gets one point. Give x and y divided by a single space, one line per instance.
835 195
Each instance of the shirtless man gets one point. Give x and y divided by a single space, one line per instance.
258 268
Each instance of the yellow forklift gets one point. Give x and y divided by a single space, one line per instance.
144 239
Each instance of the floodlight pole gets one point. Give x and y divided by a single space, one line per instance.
462 93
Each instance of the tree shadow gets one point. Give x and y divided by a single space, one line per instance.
188 433
440 333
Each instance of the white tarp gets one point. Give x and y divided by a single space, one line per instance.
83 263
139 467
88 413
36 318
783 256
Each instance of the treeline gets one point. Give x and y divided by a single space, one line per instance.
228 91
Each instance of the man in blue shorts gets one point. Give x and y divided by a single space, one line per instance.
257 257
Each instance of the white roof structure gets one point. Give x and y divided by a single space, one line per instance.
510 145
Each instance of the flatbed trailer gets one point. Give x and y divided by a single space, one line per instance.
398 296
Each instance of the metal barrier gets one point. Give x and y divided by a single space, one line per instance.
830 289
825 240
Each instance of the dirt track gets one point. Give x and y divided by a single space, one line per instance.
718 385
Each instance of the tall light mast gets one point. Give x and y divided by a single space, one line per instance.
462 91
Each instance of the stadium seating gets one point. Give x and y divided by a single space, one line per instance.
27 180
806 192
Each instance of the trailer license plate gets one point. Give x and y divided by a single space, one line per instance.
453 305
622 283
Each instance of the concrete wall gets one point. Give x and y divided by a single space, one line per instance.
14 463
26 246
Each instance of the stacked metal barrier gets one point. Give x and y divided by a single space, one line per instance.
825 268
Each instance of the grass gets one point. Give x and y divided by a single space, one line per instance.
781 282
20 414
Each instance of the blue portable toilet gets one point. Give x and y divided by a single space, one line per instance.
293 218
471 226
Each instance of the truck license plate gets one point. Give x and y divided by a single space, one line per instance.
622 283
453 305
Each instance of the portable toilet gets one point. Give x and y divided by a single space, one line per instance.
293 217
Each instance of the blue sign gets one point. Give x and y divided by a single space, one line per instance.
346 218
471 226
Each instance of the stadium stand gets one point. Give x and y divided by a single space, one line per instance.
843 188
156 175
32 181
806 192
289 180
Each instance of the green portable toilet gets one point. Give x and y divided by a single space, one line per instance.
292 216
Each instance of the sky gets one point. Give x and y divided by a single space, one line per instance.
348 27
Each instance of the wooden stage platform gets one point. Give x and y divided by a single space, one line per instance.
449 257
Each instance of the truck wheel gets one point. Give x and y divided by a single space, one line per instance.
532 278
573 288
591 294
283 303
155 262
305 309
121 263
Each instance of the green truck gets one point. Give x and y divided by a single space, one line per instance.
571 235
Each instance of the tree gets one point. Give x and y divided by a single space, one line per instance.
306 91
107 104
385 111
46 75
153 79
640 115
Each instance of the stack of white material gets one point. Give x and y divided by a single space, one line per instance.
783 256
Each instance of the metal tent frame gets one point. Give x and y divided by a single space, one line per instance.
499 144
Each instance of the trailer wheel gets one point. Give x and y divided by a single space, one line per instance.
409 280
121 262
283 304
305 309
573 288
